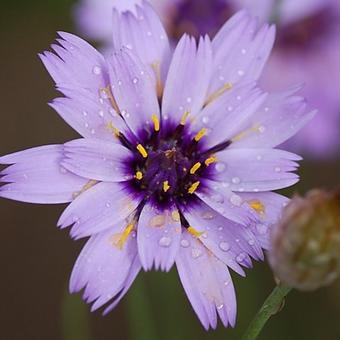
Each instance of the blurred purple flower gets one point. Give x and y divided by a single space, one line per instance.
308 50
177 159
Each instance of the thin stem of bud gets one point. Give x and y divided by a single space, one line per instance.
271 306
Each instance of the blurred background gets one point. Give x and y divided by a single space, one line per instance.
36 258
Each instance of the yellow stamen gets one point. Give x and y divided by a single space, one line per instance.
184 117
201 134
193 187
139 175
86 187
258 206
195 232
155 120
108 92
195 167
210 160
142 150
218 93
246 133
120 239
112 128
156 67
166 186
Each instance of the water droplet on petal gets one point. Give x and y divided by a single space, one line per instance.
220 167
196 253
207 215
224 246
84 113
218 198
241 257
135 80
205 120
262 228
277 169
185 243
251 242
165 242
262 129
97 70
235 200
244 51
236 180
219 307
101 113
240 73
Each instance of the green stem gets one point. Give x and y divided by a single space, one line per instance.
139 311
270 307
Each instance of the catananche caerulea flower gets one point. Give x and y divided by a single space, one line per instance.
308 50
176 163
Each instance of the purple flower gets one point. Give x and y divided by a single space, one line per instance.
308 50
176 163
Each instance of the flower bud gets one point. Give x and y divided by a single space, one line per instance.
305 250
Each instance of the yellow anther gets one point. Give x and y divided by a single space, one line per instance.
155 121
258 206
195 232
210 160
166 186
86 187
218 93
193 187
120 239
112 128
142 150
201 134
195 167
184 117
246 133
139 175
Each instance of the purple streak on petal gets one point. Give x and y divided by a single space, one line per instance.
37 176
97 209
158 237
96 159
104 270
256 169
187 92
207 283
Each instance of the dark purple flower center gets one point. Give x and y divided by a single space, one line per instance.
170 164
198 17
309 32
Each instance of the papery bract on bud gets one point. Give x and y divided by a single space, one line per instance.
305 252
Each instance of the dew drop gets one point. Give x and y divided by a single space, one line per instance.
235 200
97 70
93 131
135 80
196 253
219 307
205 120
244 51
157 221
103 94
238 97
108 204
259 157
241 257
277 169
165 242
240 73
236 180
224 246
185 243
84 113
251 242
218 198
86 125
149 34
189 100
63 170
230 108
208 215
220 167
262 229
262 129
120 82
